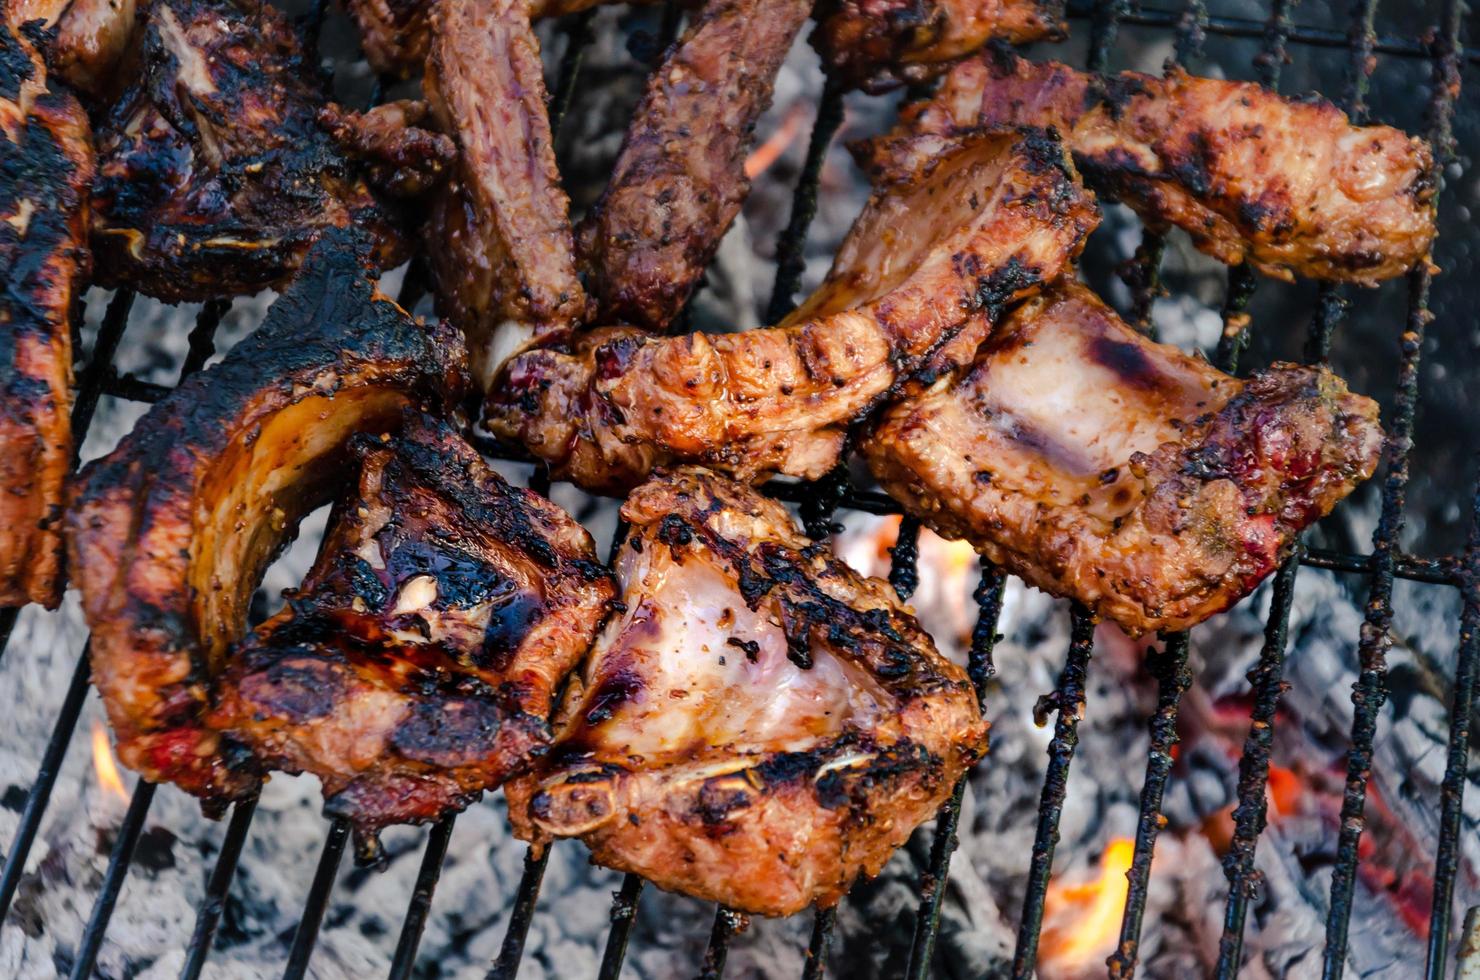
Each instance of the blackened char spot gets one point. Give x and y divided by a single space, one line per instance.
720 797
1127 361
614 691
447 733
509 622
296 691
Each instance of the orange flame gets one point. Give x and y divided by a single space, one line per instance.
103 764
1084 919
770 151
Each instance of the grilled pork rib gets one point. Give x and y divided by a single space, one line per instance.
499 239
878 44
214 174
170 533
761 725
680 178
1291 187
46 164
931 254
417 664
1097 464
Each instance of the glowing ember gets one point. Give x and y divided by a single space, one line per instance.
103 764
1083 920
770 151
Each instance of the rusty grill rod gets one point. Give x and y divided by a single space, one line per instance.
819 503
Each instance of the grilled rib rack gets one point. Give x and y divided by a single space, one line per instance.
1441 48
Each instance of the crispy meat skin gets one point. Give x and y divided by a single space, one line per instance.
762 725
1291 187
1097 464
402 158
214 175
169 533
499 238
87 41
46 164
971 230
680 178
417 664
878 44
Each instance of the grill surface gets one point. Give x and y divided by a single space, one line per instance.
1441 48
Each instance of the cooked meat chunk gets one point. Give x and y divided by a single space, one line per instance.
969 231
169 534
395 33
680 178
86 41
1100 465
1291 187
214 175
417 664
46 165
402 158
499 238
878 44
761 725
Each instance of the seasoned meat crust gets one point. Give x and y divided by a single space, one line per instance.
1291 187
971 230
1099 465
761 725
85 42
417 664
499 239
879 44
680 178
46 165
214 175
169 534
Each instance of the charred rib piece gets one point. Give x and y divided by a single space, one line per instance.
680 178
1291 187
499 239
86 41
170 533
971 230
417 664
214 175
878 44
46 164
1099 465
762 725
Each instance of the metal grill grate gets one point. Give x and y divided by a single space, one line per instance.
1442 49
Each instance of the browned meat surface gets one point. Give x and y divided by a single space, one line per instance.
87 42
46 164
761 725
499 238
1097 464
395 34
877 44
969 231
169 534
417 664
1291 187
680 178
214 176
401 158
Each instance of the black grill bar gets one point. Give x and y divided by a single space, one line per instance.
119 860
814 966
623 915
727 922
1067 702
208 916
307 933
420 905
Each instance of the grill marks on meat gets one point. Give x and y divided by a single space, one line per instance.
878 44
1097 464
969 231
214 175
417 664
680 178
1291 187
170 533
499 238
761 725
46 164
